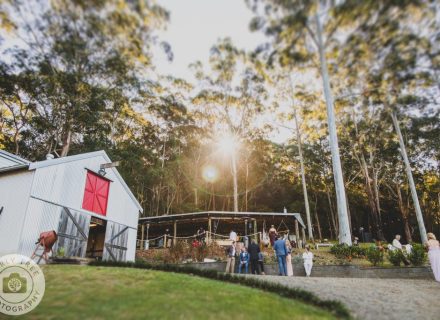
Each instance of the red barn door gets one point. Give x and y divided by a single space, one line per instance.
96 193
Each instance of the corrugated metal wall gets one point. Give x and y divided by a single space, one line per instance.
14 196
41 216
64 184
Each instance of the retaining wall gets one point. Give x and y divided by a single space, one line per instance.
337 271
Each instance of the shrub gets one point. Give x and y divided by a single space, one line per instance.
61 252
395 257
374 255
344 251
418 255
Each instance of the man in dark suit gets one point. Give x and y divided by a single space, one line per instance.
281 251
254 250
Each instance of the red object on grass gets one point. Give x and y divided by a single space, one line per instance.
96 193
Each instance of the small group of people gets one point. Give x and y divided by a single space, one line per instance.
253 257
283 251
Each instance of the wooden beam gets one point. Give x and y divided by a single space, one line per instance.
142 237
303 236
297 232
175 232
209 230
255 230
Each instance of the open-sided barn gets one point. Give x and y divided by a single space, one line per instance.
92 209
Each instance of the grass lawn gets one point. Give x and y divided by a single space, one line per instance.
75 292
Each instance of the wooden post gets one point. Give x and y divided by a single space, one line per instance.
209 231
296 232
141 246
245 227
303 230
148 241
255 230
165 240
175 232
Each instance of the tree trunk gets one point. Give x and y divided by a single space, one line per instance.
377 224
318 224
412 185
344 227
246 186
404 210
303 178
330 204
234 176
66 140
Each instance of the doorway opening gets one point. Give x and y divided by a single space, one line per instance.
95 242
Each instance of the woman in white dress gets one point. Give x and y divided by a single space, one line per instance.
308 260
434 255
289 259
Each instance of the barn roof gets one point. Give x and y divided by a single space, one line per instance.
57 161
11 162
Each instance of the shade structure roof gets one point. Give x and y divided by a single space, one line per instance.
219 214
223 222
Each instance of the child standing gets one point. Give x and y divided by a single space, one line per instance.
308 260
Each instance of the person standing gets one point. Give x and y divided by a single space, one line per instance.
308 260
233 235
230 265
281 252
254 250
289 266
201 235
272 235
244 260
261 262
434 255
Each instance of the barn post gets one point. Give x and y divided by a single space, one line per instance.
296 232
303 230
175 232
255 230
209 230
141 245
147 246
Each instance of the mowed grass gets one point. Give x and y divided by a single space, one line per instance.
85 292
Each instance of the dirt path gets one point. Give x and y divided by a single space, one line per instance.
374 298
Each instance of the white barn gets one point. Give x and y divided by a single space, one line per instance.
94 215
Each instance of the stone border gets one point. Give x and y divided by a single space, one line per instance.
336 271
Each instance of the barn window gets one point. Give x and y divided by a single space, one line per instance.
96 193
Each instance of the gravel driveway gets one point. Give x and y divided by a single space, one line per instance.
374 298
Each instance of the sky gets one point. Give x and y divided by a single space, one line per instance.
195 26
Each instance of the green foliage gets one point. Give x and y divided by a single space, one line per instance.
344 251
61 252
395 257
375 255
335 307
418 255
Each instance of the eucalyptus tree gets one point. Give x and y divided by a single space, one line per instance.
79 56
232 95
392 50
302 32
